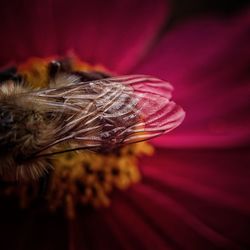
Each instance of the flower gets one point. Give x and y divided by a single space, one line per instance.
194 192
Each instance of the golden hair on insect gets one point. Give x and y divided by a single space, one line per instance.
24 130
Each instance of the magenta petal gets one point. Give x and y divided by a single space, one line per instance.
31 229
113 33
199 199
118 227
187 200
27 29
207 62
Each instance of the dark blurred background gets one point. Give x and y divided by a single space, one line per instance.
183 9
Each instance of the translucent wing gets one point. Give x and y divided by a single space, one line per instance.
108 113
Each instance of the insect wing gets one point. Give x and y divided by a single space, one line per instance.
111 112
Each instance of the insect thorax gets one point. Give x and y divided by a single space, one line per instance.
24 127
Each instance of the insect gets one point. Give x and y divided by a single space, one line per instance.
75 114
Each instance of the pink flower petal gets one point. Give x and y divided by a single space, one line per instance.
113 33
31 229
199 199
108 230
207 62
188 199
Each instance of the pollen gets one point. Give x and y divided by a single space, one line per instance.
34 72
88 178
80 178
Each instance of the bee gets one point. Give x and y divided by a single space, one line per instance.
78 113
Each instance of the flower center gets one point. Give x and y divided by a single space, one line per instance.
83 177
